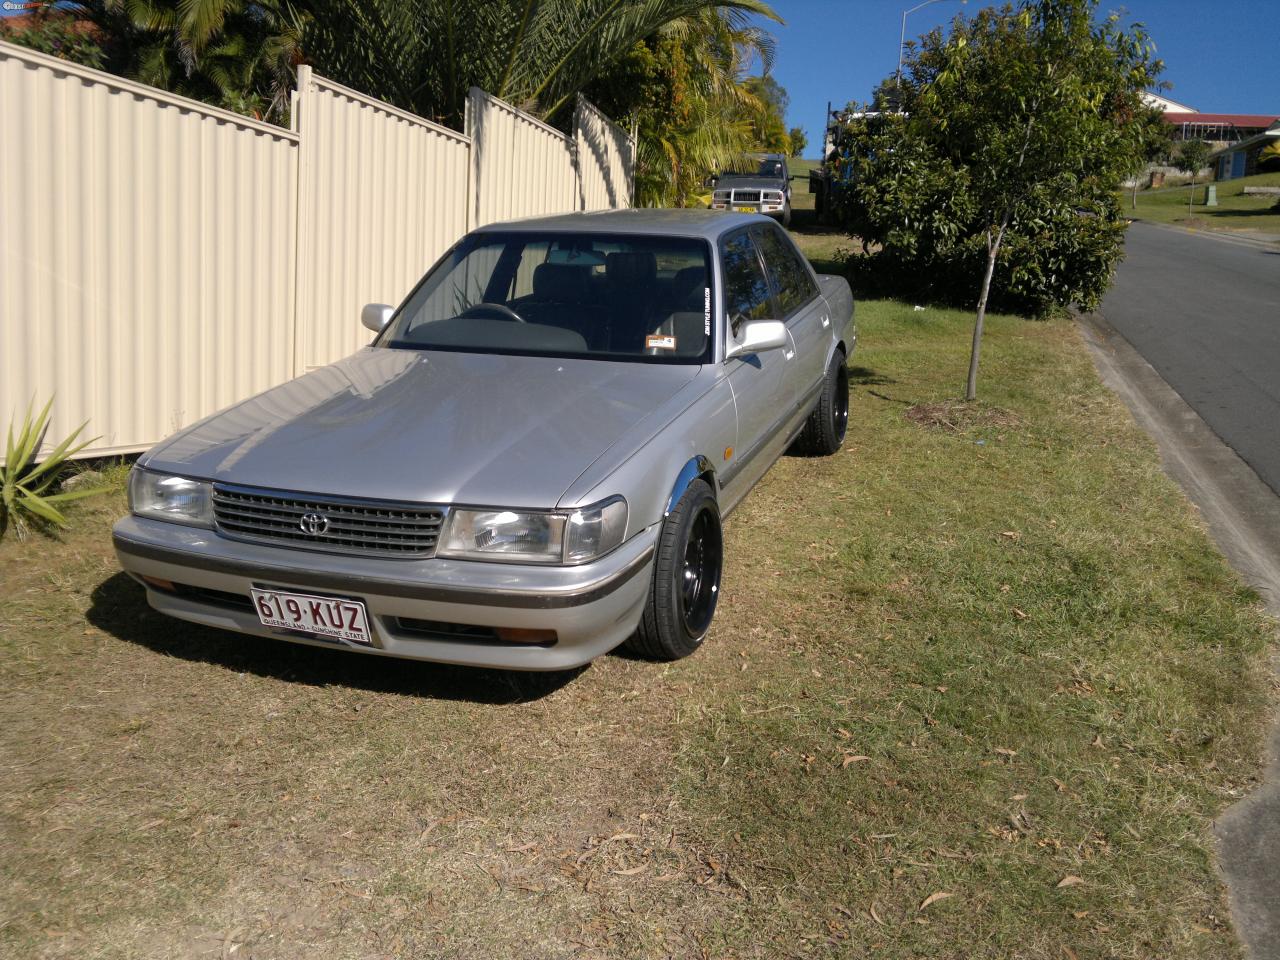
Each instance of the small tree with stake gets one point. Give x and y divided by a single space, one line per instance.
1192 158
1037 110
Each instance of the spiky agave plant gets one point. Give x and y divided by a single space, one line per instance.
25 484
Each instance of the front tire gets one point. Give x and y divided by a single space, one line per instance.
686 579
824 431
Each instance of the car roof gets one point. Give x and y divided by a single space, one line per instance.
707 224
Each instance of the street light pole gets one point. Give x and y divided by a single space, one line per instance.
902 42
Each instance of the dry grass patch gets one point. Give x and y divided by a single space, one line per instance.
954 416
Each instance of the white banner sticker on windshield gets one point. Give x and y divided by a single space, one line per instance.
706 311
657 342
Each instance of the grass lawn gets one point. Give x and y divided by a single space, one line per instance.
977 686
1235 211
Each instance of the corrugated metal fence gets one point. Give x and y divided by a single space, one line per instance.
383 195
606 160
147 245
163 258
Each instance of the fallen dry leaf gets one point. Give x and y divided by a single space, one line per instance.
935 897
633 871
1079 914
1006 752
1011 535
1019 797
875 916
852 758
1071 954
1070 880
844 734
1019 614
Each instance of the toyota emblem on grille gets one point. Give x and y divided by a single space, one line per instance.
313 523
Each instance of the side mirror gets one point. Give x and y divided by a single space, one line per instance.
757 336
375 316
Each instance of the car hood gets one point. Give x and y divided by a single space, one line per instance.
434 427
750 183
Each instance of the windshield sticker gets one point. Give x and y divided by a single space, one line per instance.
656 342
706 311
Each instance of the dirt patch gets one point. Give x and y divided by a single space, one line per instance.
953 416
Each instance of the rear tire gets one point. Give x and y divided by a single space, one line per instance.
824 431
686 579
786 215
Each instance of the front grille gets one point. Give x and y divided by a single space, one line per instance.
367 527
746 196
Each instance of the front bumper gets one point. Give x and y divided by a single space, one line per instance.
775 210
592 607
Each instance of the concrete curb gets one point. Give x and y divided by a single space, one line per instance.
1243 516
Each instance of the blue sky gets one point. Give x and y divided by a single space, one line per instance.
1221 57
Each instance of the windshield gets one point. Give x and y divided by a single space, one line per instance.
767 168
599 296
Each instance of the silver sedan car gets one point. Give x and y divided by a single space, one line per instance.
530 463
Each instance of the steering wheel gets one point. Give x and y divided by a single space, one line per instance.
481 310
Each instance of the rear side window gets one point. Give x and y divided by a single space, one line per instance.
794 283
746 288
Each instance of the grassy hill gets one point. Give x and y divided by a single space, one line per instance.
1235 211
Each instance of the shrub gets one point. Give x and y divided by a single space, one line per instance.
25 484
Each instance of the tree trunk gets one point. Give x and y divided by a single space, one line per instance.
993 250
1192 196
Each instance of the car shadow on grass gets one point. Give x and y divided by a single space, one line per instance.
866 377
118 606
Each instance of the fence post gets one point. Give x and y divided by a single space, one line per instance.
299 121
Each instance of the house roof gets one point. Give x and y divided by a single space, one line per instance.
1164 103
1235 119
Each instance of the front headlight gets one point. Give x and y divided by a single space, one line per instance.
511 536
160 496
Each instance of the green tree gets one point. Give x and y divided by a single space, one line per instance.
768 121
798 141
1019 126
1192 158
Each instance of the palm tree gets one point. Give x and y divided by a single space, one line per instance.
687 88
538 54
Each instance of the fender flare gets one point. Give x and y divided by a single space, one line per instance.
691 471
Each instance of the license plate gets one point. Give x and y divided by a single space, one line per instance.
323 616
744 209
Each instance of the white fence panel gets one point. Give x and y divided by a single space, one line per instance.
164 259
520 166
383 194
606 160
147 243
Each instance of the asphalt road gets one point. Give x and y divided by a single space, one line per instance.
1205 313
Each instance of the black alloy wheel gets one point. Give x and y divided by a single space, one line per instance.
686 578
